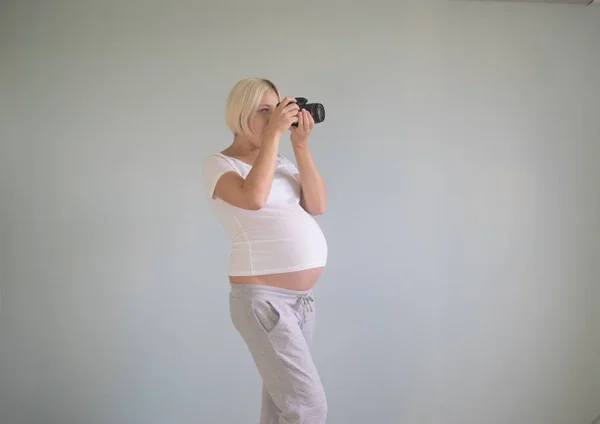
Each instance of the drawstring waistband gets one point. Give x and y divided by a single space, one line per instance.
251 290
306 301
303 298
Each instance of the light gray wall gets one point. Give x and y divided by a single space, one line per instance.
461 152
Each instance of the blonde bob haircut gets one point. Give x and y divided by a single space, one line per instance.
243 102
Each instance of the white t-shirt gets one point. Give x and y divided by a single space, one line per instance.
280 237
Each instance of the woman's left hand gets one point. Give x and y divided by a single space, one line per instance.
305 125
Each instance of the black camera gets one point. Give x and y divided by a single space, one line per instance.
317 110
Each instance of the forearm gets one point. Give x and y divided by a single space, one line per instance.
260 178
314 192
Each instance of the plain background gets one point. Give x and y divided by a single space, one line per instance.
461 152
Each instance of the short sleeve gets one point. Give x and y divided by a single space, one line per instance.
214 166
288 164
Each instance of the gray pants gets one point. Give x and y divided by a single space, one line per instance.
277 326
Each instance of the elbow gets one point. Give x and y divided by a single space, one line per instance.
252 199
313 208
255 204
317 210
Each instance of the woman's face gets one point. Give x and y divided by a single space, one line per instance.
259 122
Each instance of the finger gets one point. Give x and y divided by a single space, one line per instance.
292 108
302 120
294 112
292 119
291 116
295 123
311 121
306 121
286 102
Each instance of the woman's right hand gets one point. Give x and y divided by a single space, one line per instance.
283 116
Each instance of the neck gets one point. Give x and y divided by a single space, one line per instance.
243 147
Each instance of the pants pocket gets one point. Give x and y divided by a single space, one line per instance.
267 314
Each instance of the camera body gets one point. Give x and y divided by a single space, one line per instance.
317 110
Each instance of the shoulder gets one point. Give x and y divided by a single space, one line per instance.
215 165
216 158
218 162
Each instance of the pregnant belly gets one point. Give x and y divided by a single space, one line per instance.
289 254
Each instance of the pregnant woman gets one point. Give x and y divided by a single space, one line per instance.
278 251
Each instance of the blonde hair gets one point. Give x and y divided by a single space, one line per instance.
243 102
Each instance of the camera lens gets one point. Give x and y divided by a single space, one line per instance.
317 110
